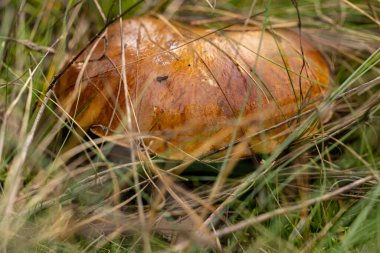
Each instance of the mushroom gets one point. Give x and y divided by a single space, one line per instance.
191 91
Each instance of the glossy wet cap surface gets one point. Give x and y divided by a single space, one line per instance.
190 90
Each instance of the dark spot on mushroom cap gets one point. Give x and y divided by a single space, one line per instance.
161 78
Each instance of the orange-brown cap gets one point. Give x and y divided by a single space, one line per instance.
191 90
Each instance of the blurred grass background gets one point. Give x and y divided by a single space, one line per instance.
319 194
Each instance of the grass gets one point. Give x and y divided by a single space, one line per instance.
316 194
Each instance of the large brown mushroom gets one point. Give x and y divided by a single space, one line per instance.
191 90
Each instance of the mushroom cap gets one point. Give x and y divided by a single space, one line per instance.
191 90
